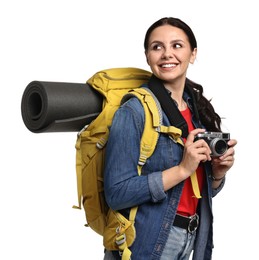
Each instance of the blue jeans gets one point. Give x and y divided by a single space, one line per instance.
179 245
108 256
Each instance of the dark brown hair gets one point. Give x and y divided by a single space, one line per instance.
173 22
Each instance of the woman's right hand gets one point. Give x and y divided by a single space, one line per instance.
194 153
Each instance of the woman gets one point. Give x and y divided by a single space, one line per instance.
172 218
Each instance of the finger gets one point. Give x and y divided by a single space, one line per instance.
232 142
192 135
203 148
202 144
225 163
223 160
229 153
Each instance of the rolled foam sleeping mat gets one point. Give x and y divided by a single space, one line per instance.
59 106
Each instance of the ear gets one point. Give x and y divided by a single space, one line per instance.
193 56
147 58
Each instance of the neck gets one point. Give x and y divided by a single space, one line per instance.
181 104
177 95
176 89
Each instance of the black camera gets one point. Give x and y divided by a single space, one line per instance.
217 142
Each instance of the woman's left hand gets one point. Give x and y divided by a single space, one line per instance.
220 165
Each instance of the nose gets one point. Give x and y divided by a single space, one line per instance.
168 53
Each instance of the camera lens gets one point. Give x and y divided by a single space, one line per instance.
218 147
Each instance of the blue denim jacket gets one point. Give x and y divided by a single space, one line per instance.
124 188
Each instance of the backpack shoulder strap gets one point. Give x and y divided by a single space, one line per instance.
153 119
153 122
148 145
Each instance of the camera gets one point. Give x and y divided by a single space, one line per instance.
217 142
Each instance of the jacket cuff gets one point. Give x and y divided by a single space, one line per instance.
219 188
156 186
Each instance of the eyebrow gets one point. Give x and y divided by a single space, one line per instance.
173 41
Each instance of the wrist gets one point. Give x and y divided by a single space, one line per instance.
217 178
183 172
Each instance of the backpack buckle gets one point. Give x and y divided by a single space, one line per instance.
82 130
120 239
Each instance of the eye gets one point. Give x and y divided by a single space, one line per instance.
177 45
156 47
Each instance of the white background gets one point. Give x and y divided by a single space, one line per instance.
69 41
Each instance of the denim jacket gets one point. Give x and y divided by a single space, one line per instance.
124 188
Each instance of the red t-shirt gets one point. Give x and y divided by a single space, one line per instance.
188 202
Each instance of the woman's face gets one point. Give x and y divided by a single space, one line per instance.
169 53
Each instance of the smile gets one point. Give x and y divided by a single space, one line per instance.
171 65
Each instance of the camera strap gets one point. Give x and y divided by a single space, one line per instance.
168 105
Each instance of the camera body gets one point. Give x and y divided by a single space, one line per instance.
217 142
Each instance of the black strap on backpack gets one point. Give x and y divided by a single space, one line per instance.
169 106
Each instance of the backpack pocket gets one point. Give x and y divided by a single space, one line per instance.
93 153
119 232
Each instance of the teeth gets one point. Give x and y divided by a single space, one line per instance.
168 65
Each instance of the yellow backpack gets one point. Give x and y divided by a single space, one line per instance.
117 231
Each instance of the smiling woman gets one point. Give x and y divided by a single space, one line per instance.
60 41
169 54
168 191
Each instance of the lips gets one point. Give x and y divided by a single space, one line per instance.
168 65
